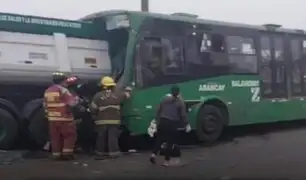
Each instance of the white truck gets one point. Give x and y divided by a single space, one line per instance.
31 48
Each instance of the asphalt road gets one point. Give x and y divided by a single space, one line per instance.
274 151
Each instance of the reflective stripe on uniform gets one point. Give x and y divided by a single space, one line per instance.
110 106
66 150
104 122
54 113
55 105
59 119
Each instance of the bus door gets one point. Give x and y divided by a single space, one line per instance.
273 68
298 65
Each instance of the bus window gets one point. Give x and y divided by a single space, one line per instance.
202 49
150 60
279 67
242 54
174 61
204 55
304 46
265 50
279 49
161 60
296 53
205 43
265 68
296 49
218 43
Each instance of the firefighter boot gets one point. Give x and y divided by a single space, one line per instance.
56 156
101 156
114 155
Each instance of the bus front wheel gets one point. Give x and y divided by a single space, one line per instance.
210 123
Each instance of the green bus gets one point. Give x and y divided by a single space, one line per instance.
230 74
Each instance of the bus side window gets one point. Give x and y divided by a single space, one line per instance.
297 75
203 46
150 61
265 68
205 55
174 59
218 43
242 55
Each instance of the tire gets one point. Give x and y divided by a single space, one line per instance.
210 124
86 133
31 107
8 129
38 127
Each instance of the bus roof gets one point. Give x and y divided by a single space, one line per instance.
190 19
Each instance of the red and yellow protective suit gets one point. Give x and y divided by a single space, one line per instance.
58 102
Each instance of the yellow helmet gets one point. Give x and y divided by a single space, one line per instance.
107 81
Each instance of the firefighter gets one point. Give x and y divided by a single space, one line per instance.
72 85
105 108
59 104
85 125
171 114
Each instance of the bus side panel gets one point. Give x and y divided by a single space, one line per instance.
274 110
140 110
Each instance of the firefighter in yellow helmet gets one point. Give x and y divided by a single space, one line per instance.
105 108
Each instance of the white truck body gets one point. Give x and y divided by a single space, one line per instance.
31 58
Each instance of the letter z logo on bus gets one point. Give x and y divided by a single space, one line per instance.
255 94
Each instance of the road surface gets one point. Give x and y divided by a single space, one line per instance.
277 151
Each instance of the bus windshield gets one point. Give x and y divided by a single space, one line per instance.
117 27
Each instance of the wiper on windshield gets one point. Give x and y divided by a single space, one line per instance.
118 65
116 76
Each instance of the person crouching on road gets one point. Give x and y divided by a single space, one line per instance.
170 114
59 104
105 108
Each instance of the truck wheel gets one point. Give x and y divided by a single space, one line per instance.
30 108
8 129
38 128
86 133
210 123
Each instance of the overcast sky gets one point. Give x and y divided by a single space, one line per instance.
289 13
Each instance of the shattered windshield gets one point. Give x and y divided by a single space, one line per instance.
118 31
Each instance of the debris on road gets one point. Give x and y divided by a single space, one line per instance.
9 157
35 155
